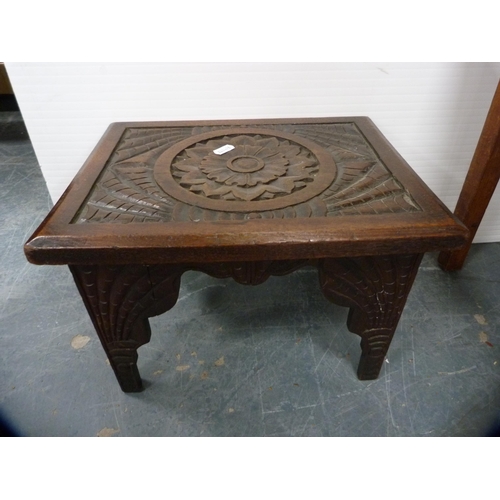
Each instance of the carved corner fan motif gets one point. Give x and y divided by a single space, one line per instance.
273 171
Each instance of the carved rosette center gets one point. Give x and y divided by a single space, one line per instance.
245 164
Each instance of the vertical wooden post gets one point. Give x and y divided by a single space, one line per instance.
479 185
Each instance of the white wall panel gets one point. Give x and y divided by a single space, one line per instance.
432 113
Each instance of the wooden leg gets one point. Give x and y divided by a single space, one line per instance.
479 185
119 300
376 289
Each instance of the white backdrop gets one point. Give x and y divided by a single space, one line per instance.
432 113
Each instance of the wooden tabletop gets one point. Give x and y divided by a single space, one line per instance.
215 191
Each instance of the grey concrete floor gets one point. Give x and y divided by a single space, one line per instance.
230 360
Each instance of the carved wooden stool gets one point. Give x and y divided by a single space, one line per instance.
247 200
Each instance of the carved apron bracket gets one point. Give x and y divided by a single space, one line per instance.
119 300
251 273
375 289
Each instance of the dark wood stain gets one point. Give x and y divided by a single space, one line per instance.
153 201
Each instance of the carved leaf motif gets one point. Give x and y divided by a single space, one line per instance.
374 191
366 188
343 140
136 141
128 193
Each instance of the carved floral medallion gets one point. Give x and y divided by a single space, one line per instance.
265 170
258 167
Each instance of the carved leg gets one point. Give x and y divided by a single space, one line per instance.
119 300
376 289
